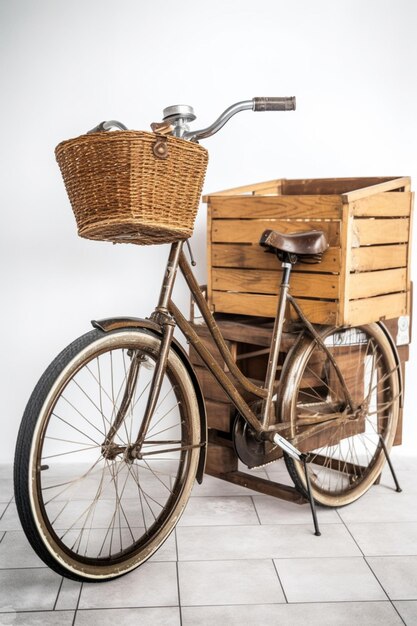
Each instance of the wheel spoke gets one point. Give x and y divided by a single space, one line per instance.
347 456
75 428
97 510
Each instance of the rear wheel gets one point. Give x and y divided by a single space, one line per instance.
346 451
93 512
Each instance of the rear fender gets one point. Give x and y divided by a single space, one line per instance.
397 361
118 323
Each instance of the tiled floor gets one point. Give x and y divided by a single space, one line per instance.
239 557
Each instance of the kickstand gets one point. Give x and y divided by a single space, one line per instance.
397 484
310 496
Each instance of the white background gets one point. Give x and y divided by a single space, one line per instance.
67 65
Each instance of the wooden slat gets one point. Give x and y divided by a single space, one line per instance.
219 415
209 385
245 304
392 204
209 257
220 460
211 388
208 343
253 256
272 190
257 483
244 256
369 284
250 231
258 332
346 246
390 184
403 350
318 312
410 296
280 207
379 231
268 282
354 187
350 361
245 189
331 185
370 309
378 257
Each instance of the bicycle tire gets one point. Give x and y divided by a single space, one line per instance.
345 460
135 504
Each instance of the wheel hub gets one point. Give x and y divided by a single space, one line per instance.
111 450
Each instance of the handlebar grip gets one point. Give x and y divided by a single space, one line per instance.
274 104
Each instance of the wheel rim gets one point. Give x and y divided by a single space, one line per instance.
346 459
103 516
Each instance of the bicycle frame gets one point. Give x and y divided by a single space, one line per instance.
167 315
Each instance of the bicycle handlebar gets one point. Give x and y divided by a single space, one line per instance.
107 126
179 115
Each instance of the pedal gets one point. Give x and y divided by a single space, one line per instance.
287 447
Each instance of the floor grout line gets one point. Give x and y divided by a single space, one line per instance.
173 606
57 595
280 582
6 509
77 605
246 558
179 592
370 568
178 574
256 510
382 587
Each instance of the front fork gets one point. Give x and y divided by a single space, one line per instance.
163 318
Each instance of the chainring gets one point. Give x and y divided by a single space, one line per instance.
253 452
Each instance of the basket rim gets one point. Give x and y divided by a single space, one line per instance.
123 135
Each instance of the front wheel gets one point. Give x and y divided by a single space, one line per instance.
91 511
345 444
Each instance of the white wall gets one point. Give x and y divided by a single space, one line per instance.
65 66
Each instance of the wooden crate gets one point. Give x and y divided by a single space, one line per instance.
247 340
365 274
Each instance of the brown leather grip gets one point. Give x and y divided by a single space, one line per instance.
274 104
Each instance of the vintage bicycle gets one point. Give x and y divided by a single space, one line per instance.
114 434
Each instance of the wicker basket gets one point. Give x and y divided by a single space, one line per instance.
133 186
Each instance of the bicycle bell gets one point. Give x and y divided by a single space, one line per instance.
179 115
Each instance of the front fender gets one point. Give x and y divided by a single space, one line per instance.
118 323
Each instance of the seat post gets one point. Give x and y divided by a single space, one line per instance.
276 341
